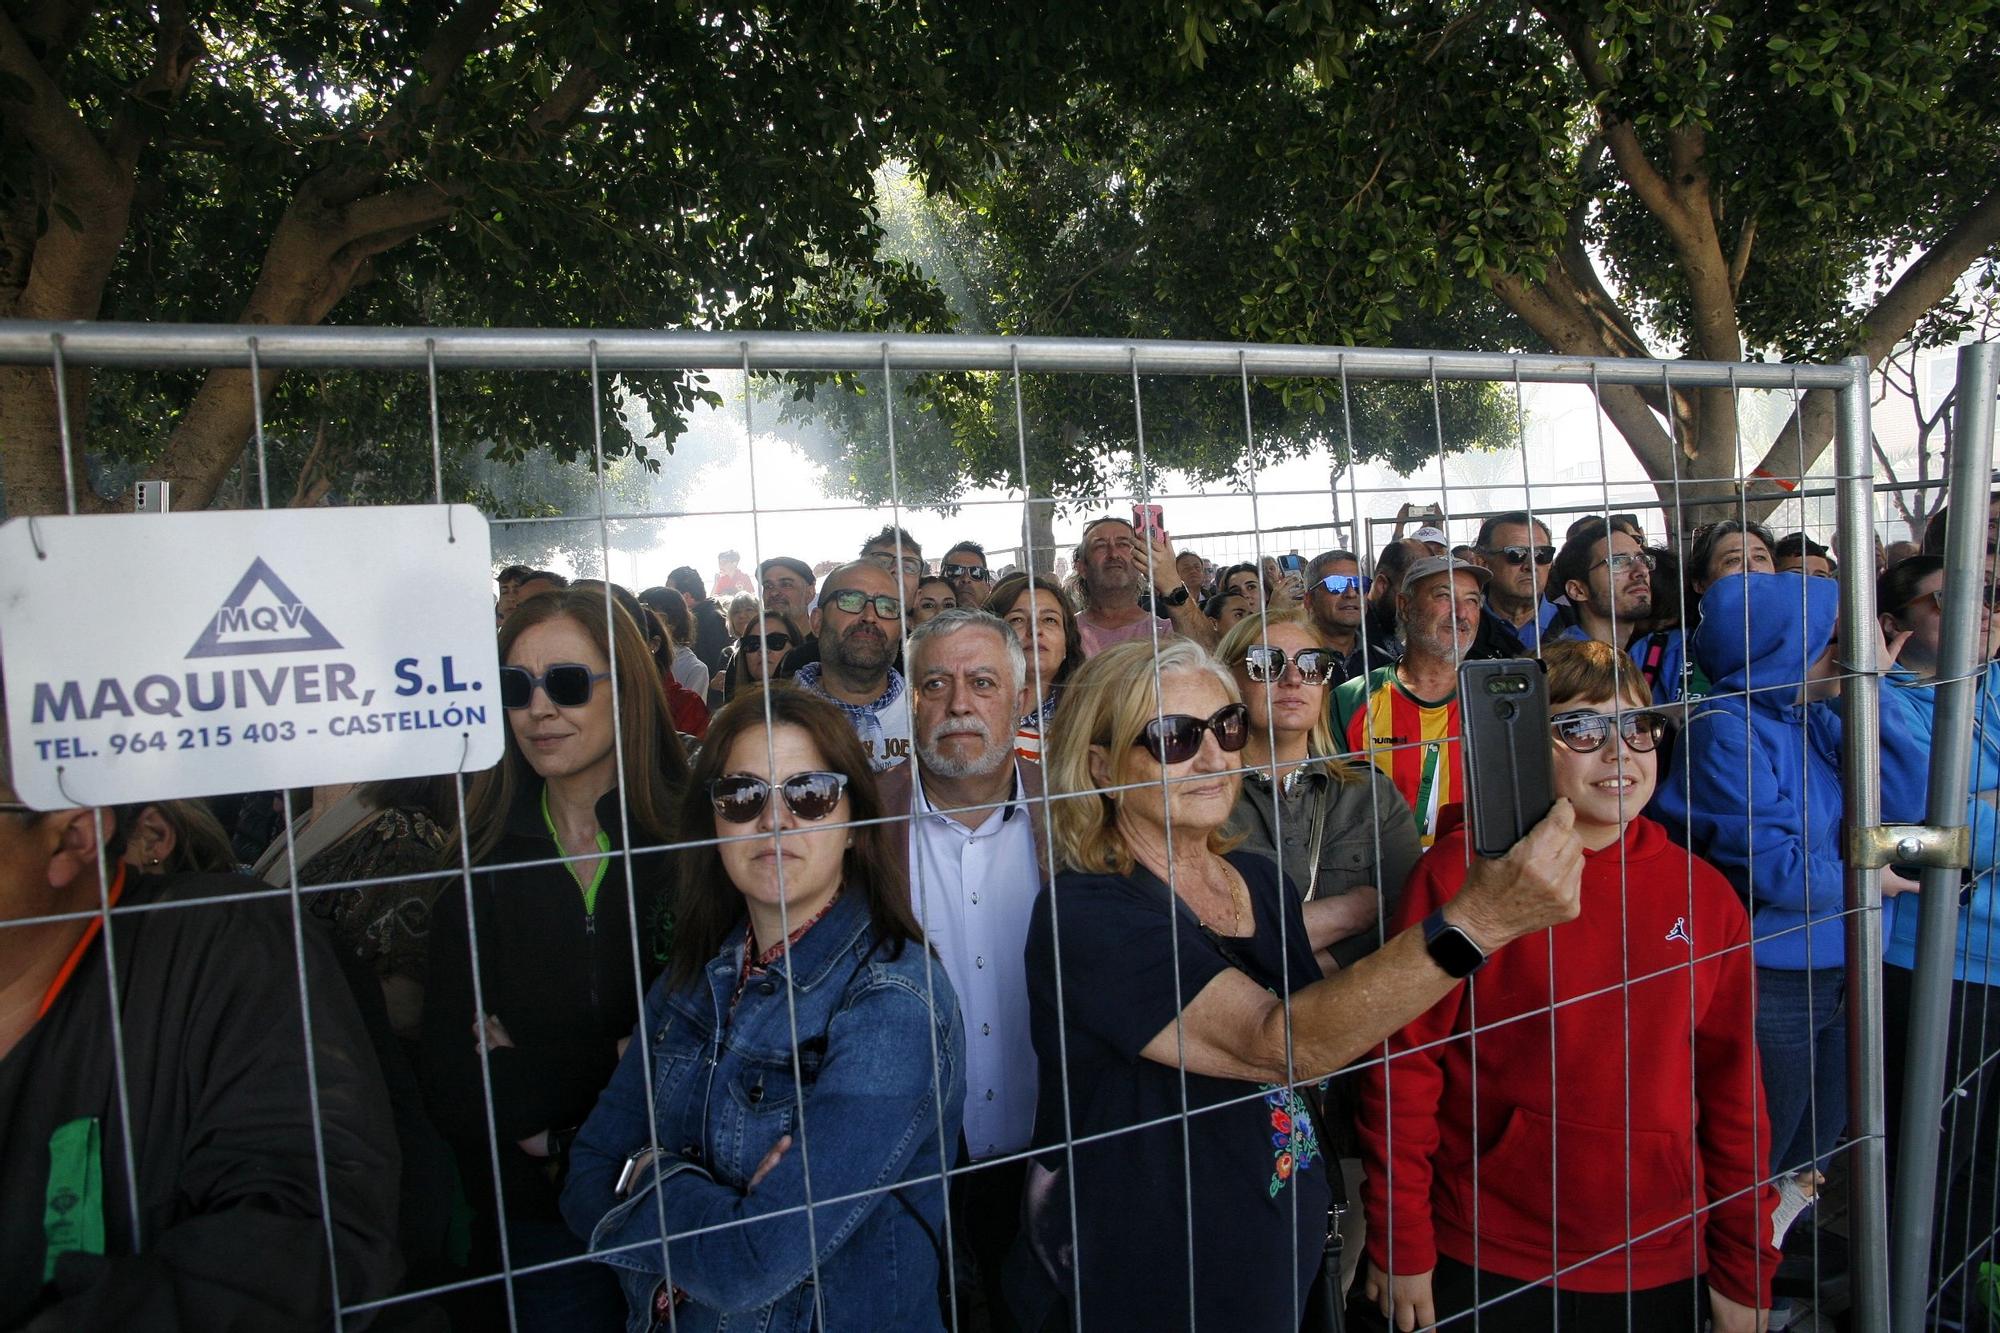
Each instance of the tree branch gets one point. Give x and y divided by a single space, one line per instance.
1739 264
566 101
177 49
393 136
1618 132
1922 285
50 125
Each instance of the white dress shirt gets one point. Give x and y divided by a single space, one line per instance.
973 890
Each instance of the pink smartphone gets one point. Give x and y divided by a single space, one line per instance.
1148 519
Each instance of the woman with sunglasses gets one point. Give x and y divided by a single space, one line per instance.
556 901
802 1027
1347 835
1541 1147
1042 618
758 653
1169 973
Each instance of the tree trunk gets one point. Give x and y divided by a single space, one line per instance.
32 433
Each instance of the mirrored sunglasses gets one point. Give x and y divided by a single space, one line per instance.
1265 664
977 573
1176 738
568 685
740 798
1586 732
1341 584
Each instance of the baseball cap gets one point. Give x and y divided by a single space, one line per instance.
1435 536
1441 564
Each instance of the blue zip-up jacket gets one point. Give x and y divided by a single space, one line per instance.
1978 951
1755 784
875 1110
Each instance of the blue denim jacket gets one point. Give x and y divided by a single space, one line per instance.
881 1054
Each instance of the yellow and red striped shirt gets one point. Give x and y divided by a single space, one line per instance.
1413 741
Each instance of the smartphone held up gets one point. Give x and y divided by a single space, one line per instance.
1509 775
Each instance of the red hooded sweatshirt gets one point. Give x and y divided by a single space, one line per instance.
1582 1151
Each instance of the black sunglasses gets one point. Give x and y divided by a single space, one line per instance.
977 573
568 685
763 643
1265 664
1176 738
740 798
1586 732
1518 555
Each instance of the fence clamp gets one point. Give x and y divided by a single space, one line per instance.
1878 846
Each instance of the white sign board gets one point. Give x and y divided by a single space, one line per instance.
154 656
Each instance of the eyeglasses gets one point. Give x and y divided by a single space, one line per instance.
1265 664
1618 562
851 600
16 808
890 561
977 573
1176 738
568 685
1586 732
763 643
740 798
1989 593
1342 584
1518 555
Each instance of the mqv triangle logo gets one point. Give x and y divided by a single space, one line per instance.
274 622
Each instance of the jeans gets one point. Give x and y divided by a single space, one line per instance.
1802 1045
1968 1183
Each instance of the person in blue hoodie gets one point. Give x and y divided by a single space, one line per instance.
1909 596
1755 788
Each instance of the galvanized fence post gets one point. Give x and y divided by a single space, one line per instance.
1959 675
1861 781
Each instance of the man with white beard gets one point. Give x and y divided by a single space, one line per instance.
977 860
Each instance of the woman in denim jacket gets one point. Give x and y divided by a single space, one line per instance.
798 1052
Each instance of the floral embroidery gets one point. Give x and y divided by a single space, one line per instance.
1294 1143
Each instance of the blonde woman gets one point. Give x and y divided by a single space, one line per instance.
1175 1003
1347 837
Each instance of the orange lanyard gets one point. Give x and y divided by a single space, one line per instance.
82 946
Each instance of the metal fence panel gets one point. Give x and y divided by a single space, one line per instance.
597 354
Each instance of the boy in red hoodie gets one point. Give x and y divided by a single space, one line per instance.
1596 1145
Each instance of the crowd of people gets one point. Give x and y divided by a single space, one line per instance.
910 944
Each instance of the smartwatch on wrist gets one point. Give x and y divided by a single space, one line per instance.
1451 948
1178 597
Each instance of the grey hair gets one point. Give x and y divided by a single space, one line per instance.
947 623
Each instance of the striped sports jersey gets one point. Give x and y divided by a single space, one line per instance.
1415 741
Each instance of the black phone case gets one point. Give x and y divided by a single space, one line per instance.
1503 709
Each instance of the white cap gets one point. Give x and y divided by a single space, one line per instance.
1435 536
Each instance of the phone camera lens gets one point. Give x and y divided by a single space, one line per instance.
1505 710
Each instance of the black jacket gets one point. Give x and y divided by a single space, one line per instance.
711 633
559 981
229 1206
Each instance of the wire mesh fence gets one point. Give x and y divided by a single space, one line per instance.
1111 951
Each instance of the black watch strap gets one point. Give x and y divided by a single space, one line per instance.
1451 948
1178 597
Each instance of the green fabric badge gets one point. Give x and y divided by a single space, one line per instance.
73 1212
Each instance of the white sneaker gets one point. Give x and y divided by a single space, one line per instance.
1796 1193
